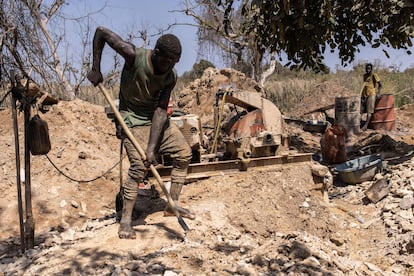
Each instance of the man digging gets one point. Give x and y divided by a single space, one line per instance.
147 79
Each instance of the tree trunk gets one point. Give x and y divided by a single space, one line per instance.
58 66
269 71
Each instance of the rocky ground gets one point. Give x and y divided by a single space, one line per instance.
264 221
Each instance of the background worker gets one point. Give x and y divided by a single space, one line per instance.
370 91
147 79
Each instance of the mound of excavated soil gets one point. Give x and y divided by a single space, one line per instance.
84 147
199 96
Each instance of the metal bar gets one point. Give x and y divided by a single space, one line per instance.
29 225
203 170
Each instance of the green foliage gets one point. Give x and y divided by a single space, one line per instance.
304 32
198 68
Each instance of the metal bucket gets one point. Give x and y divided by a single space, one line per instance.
315 126
383 116
360 169
347 113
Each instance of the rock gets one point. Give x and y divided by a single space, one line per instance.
403 192
406 226
83 207
245 269
407 202
156 268
311 261
319 170
134 265
407 174
372 267
74 204
68 235
30 253
82 155
170 273
299 251
63 203
337 239
389 207
406 214
305 204
378 190
259 260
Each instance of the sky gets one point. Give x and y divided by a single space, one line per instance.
153 15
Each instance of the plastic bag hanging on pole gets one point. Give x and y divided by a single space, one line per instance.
39 136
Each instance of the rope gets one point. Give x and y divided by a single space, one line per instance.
83 181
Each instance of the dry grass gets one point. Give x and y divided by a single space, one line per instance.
284 90
285 94
93 94
289 92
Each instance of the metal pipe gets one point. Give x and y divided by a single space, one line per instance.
18 176
29 225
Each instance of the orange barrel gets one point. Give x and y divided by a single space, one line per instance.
383 117
347 113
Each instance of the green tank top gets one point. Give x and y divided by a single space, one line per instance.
140 89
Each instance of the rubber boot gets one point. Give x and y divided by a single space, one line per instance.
175 193
125 230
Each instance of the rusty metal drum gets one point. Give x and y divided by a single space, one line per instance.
383 116
347 113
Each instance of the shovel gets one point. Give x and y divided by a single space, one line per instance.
143 156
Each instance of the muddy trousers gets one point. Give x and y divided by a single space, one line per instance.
173 144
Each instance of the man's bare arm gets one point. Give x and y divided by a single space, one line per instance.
159 120
124 48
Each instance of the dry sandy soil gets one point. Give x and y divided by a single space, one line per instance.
267 221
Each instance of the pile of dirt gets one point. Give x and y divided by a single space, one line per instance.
270 221
199 97
84 147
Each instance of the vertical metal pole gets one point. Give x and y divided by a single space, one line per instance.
29 225
19 185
